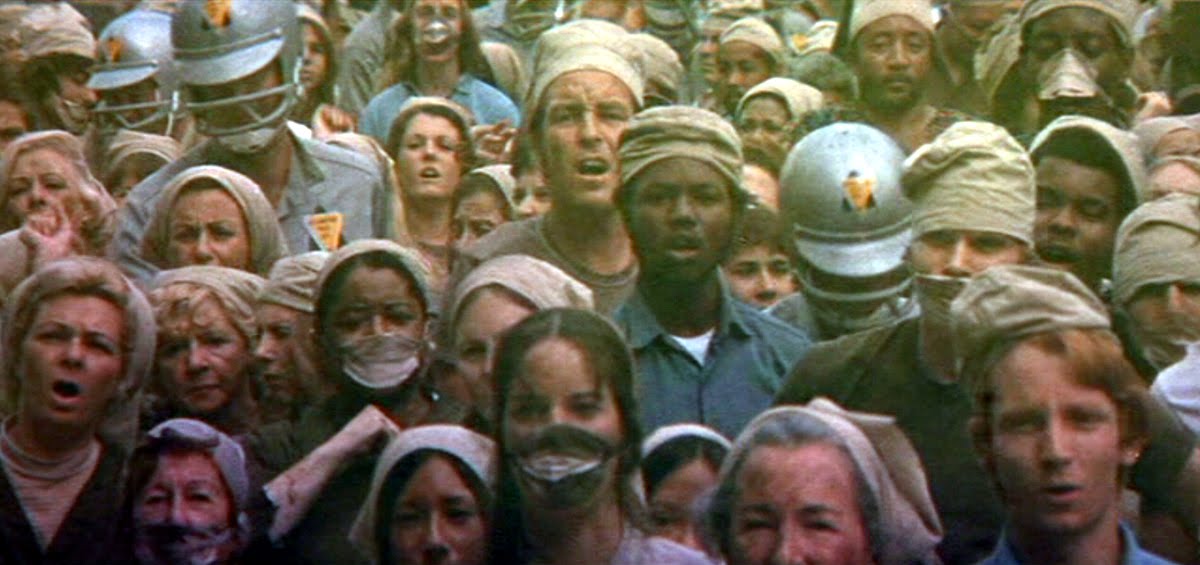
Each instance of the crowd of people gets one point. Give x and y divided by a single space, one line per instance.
628 282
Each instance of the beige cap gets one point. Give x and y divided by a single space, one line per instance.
1123 12
1157 244
293 281
867 12
799 98
680 131
57 29
759 34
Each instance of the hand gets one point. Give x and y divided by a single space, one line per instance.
330 120
493 143
1151 105
49 236
370 430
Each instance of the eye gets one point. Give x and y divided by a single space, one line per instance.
989 243
185 234
1048 198
941 238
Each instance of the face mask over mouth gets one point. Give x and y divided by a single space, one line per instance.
174 544
383 361
563 466
1067 84
934 294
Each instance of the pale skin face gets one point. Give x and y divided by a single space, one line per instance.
130 172
762 184
673 502
963 253
1165 316
476 216
41 180
202 358
316 59
780 518
71 361
438 520
375 302
742 66
584 114
1172 178
427 158
1078 212
1056 448
488 314
760 276
13 122
186 489
283 354
207 227
531 195
1179 142
437 48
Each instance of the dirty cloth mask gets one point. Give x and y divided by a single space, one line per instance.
563 465
381 361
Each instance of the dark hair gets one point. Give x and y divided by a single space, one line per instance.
1090 149
460 117
762 226
825 72
400 61
612 363
677 454
473 184
397 479
525 159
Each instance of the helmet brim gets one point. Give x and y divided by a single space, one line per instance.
111 79
856 259
228 67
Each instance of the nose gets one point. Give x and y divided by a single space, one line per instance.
268 348
960 260
179 514
589 131
203 254
74 354
1064 222
792 548
436 548
683 211
197 359
901 57
767 286
381 325
1054 445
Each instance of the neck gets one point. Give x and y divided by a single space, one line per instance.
48 441
438 79
935 352
683 308
596 240
591 535
906 126
270 168
1099 545
428 220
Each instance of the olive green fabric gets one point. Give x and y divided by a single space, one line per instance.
666 132
1158 243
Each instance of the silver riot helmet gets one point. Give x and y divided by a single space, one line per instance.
218 42
134 49
841 193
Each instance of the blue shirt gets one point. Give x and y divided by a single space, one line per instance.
748 357
486 102
1134 555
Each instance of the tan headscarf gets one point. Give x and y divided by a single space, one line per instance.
974 176
995 61
1150 132
57 29
1157 244
667 434
293 281
797 97
409 258
541 284
235 290
870 11
477 454
83 275
129 143
891 468
1123 143
501 177
580 48
661 68
1124 13
759 34
267 243
665 132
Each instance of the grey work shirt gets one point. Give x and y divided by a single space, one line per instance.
322 179
747 360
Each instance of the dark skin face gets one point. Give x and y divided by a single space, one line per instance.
893 58
1088 32
1078 211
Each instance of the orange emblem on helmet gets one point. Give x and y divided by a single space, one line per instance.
860 190
115 46
218 11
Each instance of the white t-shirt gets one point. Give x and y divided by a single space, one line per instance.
697 346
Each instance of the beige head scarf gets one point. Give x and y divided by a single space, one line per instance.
1124 13
974 176
293 281
477 454
57 29
541 284
84 275
580 51
1151 131
1123 144
797 97
266 237
995 61
662 70
891 468
759 34
1157 244
129 143
665 132
668 434
410 259
867 12
1173 174
501 176
1012 301
235 290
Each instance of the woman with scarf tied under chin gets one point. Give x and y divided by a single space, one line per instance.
372 311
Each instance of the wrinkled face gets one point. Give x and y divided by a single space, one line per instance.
673 504
129 173
956 253
427 158
284 355
893 58
1165 317
531 195
13 122
438 26
476 216
207 227
760 276
710 43
44 181
202 358
71 361
1179 142
583 117
1172 178
779 517
438 520
680 217
1078 212
376 301
316 60
183 511
742 66
1056 448
766 121
762 184
1088 32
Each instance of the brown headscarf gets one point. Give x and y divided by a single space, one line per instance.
266 237
293 281
128 143
235 290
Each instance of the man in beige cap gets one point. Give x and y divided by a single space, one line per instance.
750 52
891 49
1061 417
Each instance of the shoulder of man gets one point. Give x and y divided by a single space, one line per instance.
341 158
831 368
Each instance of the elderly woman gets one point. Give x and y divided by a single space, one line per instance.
431 143
767 116
206 333
820 484
435 52
210 215
371 313
430 499
78 341
679 470
482 202
50 205
132 156
491 299
570 440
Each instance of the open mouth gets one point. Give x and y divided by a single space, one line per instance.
66 389
594 167
1061 491
430 173
1058 254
